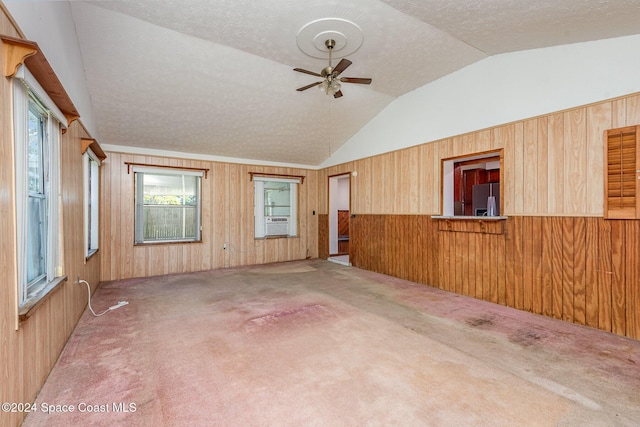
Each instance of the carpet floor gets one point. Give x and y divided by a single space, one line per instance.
315 343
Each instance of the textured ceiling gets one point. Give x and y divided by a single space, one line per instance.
216 78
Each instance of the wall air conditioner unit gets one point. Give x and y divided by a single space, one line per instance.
277 226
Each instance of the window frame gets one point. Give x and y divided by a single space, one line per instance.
259 207
91 170
139 172
447 196
41 194
30 97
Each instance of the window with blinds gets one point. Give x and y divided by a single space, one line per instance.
622 173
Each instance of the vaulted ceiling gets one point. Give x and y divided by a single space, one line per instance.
216 77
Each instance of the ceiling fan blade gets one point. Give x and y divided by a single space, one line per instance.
300 70
356 80
338 94
300 89
342 65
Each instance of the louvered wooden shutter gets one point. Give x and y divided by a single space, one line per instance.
621 174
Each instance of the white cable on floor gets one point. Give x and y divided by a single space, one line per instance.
113 307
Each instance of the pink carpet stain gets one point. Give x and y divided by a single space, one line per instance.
305 310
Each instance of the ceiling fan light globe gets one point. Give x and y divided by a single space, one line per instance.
335 86
323 86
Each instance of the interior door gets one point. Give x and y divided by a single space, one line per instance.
339 214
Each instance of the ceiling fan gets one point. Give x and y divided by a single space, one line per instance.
331 83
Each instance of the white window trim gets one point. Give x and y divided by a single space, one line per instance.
259 217
24 75
139 201
24 88
91 203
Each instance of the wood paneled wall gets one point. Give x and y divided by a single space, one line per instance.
553 165
578 269
227 217
403 246
557 257
28 353
323 236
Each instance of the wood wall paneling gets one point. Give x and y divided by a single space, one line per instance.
552 165
598 119
568 270
632 279
566 262
11 366
528 268
575 162
618 270
619 116
323 236
604 276
632 110
591 250
530 177
542 181
579 269
555 173
519 187
227 218
421 244
28 354
562 259
555 266
538 284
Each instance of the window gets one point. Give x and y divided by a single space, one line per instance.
91 201
37 196
276 207
622 171
37 130
471 185
167 205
